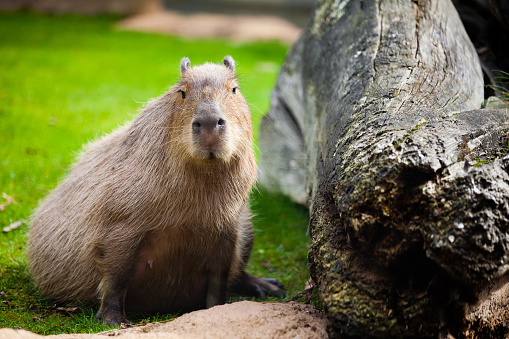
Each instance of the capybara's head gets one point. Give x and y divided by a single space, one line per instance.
211 115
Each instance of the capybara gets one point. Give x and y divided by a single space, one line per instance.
154 216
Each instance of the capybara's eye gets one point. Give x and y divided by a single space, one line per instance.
234 90
183 93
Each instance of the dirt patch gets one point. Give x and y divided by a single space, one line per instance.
200 25
245 319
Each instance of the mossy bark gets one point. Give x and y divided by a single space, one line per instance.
407 229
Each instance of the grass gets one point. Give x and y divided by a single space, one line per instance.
65 80
502 86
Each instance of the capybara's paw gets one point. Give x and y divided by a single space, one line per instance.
253 286
266 287
275 282
112 318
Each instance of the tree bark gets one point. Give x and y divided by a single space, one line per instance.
378 106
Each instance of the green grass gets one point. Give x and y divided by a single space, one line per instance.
502 86
65 80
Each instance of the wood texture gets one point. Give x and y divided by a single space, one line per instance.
407 188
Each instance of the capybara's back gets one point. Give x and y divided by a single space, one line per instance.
153 217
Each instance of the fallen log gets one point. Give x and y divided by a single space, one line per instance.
377 114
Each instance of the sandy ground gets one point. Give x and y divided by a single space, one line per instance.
244 319
233 27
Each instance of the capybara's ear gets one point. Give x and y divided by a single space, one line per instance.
229 62
184 65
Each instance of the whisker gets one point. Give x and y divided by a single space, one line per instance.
259 110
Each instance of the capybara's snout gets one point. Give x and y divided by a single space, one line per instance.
209 120
209 126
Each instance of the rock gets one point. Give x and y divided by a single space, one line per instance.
245 319
284 159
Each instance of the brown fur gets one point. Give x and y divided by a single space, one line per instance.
156 212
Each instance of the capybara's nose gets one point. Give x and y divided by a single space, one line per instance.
208 124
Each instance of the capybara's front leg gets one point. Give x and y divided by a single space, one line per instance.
219 264
216 288
112 307
117 264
